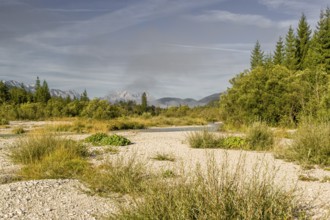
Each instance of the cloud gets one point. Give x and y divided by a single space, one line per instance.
295 7
240 19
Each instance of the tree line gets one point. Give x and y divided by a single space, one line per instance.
17 103
288 85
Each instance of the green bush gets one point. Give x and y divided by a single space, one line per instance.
104 139
260 137
311 144
232 142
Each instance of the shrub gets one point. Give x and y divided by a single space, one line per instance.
311 144
232 142
104 139
218 193
48 156
260 137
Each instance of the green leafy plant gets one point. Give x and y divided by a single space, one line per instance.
104 139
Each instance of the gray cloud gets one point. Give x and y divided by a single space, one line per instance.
152 45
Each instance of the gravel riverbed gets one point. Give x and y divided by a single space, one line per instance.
69 199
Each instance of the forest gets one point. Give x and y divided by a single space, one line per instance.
287 86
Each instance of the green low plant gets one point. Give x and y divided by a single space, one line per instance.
104 139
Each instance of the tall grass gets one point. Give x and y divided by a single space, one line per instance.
217 193
260 137
311 144
120 175
48 156
206 139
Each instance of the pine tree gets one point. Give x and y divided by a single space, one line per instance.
324 39
257 56
144 103
302 42
84 96
290 50
45 92
4 92
278 58
42 93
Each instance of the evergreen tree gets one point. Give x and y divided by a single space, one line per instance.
279 52
290 50
42 93
45 92
257 56
84 96
324 39
302 42
4 92
144 103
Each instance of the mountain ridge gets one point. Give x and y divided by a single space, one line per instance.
53 92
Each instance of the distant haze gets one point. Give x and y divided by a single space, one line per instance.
167 48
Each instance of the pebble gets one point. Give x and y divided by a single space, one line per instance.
50 199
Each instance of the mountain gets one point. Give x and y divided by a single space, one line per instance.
126 96
211 98
170 102
162 102
53 92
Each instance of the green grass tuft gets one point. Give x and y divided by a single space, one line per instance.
164 157
120 175
48 156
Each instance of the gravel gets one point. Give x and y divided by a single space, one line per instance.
50 199
69 199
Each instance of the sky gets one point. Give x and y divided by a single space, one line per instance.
168 48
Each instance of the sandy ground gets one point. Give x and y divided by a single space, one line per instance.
147 145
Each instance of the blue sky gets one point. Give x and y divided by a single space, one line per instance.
181 48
